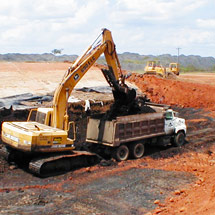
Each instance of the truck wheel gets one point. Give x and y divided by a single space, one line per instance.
179 139
137 150
121 153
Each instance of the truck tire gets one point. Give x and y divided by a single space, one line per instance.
121 153
137 150
179 139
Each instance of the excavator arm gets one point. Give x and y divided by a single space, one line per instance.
74 74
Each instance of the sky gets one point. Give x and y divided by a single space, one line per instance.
138 26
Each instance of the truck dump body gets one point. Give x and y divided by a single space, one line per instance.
125 128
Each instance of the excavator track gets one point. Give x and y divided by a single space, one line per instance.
5 153
54 165
51 164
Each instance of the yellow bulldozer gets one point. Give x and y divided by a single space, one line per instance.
173 68
155 68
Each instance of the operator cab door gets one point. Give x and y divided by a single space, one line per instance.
169 123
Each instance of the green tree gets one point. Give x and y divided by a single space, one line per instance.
57 51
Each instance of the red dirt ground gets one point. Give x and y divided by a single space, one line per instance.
198 198
176 92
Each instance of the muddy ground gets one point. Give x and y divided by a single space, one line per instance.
165 181
160 178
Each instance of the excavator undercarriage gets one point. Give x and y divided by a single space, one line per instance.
49 164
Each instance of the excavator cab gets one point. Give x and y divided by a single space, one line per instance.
41 115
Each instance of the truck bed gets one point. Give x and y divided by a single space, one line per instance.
125 128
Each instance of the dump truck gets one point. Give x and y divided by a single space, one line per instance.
126 135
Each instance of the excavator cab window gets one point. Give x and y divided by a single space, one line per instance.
40 117
32 115
36 116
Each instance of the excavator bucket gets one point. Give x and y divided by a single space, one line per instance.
123 95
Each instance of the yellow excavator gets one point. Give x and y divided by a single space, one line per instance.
44 136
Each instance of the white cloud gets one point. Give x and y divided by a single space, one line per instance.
158 10
147 27
39 23
8 21
206 23
162 41
186 36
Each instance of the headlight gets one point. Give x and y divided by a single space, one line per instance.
15 139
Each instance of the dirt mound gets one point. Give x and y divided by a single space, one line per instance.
175 92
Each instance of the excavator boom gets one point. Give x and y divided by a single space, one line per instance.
113 76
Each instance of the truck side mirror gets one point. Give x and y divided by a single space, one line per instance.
176 114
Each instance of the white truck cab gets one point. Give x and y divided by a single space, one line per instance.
175 126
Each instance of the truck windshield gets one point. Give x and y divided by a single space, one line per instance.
168 115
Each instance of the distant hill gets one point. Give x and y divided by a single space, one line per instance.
46 57
137 62
129 61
